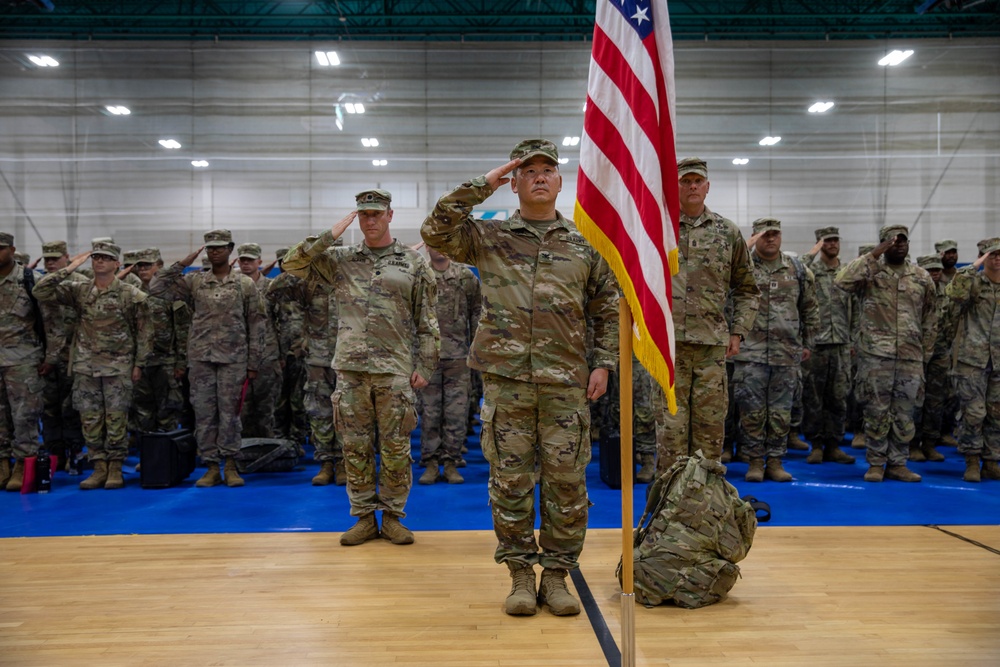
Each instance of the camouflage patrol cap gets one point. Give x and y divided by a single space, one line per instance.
22 257
692 165
945 244
129 257
6 240
218 238
54 249
101 239
529 148
865 249
107 249
827 233
249 251
929 262
280 253
986 246
892 231
761 225
148 256
373 200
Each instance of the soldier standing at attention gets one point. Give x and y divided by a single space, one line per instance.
262 393
112 343
714 263
976 298
445 411
225 345
937 372
769 362
290 418
543 286
947 250
21 364
898 324
385 295
827 372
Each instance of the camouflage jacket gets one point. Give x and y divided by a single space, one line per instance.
60 326
281 295
787 315
976 303
113 331
458 309
714 266
161 319
19 343
834 304
540 293
898 318
317 302
227 319
946 322
271 352
385 304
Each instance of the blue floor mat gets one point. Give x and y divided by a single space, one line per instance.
821 495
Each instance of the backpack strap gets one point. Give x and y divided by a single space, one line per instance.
758 506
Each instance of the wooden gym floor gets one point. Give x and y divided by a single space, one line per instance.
809 596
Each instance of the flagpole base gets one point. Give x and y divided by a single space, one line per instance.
628 629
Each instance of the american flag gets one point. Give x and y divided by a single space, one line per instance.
627 198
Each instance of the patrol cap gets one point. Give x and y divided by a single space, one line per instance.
148 255
761 225
22 257
98 239
218 238
280 253
6 240
986 246
945 244
373 200
249 251
892 231
692 165
827 233
865 249
529 148
107 249
54 249
929 262
128 257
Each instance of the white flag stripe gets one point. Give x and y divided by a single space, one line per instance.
624 37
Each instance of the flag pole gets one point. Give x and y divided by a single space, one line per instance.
627 469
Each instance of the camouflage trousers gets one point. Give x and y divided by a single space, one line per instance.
643 415
156 400
60 420
890 390
262 395
444 412
215 397
20 409
978 392
700 384
103 403
363 402
290 417
548 425
320 384
826 382
764 395
937 400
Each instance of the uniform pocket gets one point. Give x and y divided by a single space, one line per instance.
335 400
487 438
584 445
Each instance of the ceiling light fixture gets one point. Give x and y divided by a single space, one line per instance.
769 141
327 58
201 164
354 107
893 58
44 61
571 141
371 142
741 160
379 163
170 143
564 160
118 110
821 107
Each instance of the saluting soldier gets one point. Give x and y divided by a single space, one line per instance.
262 392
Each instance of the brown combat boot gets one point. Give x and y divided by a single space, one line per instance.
212 477
16 476
875 473
97 479
775 472
727 454
916 454
451 474
115 479
972 473
756 471
365 529
797 443
522 599
931 453
647 469
991 470
325 474
340 473
431 472
901 474
948 440
859 441
816 455
552 591
834 454
4 472
231 474
394 531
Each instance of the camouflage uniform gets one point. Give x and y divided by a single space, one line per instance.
714 265
947 275
826 374
898 324
290 416
937 371
263 391
385 305
541 292
976 354
113 335
20 356
444 412
225 341
769 363
643 415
